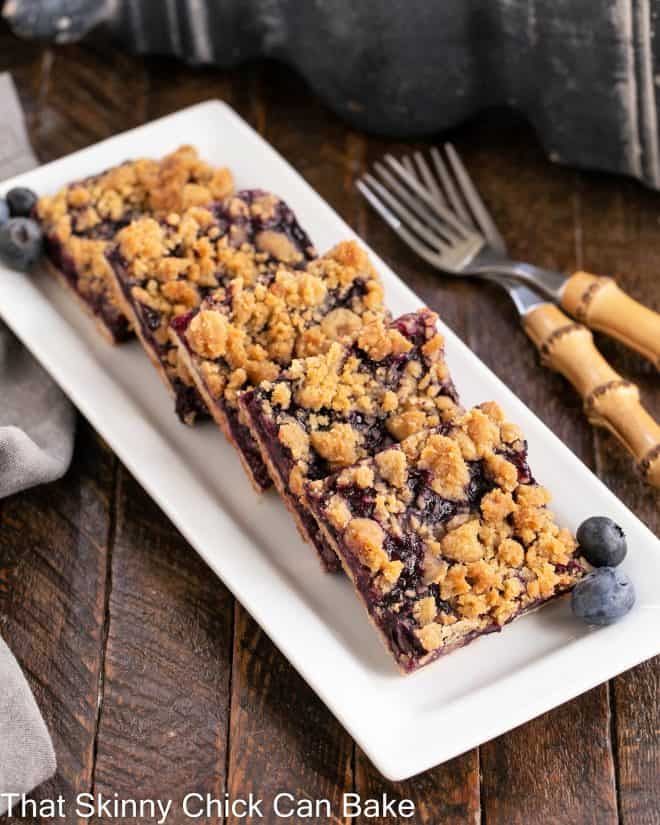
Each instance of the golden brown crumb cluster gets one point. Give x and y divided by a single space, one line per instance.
168 267
490 559
262 325
83 217
332 405
171 264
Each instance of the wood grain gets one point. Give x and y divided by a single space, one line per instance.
163 724
77 95
448 794
283 739
636 725
557 768
53 580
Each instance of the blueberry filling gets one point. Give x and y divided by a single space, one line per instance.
97 301
280 219
267 435
248 448
406 369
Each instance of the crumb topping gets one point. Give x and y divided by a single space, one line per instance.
356 400
252 330
208 334
83 218
167 267
469 529
366 537
441 456
393 467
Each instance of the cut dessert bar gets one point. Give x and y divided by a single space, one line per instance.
164 268
82 218
446 536
325 413
250 331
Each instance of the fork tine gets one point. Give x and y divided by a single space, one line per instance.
446 214
481 214
407 237
406 160
389 217
425 215
406 215
429 182
428 179
450 188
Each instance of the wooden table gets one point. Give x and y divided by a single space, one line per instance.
153 680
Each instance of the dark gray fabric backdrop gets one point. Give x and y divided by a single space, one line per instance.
584 73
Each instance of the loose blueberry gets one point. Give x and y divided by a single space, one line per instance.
4 211
602 542
21 202
603 597
20 242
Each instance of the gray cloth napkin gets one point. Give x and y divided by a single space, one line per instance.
27 757
36 442
36 419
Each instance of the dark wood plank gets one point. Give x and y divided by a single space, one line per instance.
448 794
636 700
53 557
76 95
164 714
173 86
557 768
283 739
620 236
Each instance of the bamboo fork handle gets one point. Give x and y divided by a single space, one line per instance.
609 400
599 303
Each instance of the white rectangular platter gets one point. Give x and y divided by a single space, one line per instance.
404 724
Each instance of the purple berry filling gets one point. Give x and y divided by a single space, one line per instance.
98 302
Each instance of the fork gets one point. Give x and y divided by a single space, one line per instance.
444 220
596 301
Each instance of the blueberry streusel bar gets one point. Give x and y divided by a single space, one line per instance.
251 330
324 413
81 220
446 536
164 268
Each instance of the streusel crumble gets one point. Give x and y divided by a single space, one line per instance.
327 412
248 332
81 219
164 268
446 536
